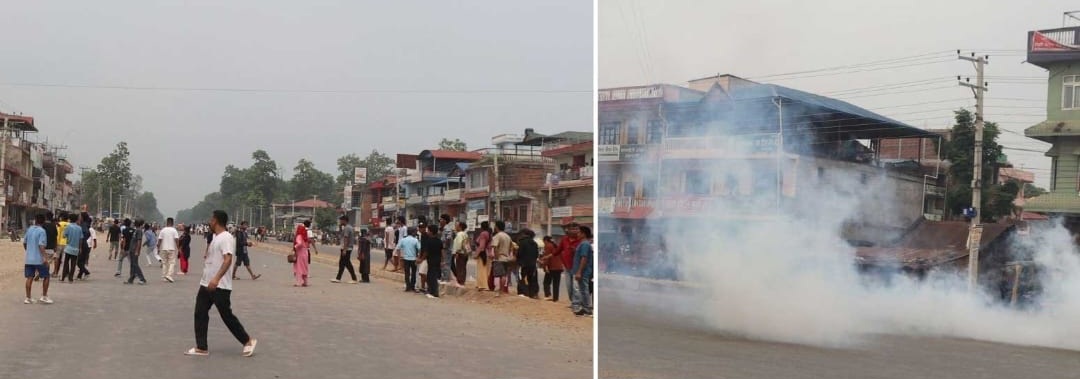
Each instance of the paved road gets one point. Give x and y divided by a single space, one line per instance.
104 329
676 350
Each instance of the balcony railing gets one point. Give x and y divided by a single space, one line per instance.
630 93
452 195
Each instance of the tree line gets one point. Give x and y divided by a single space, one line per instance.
111 185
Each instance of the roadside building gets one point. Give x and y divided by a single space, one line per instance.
568 190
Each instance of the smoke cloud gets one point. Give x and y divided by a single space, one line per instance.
793 278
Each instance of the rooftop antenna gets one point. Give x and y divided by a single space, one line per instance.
1067 15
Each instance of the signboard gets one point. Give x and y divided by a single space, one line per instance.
607 153
374 213
360 175
477 205
559 212
633 152
481 218
348 197
606 204
1042 42
470 224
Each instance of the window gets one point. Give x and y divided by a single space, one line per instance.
697 183
607 186
523 214
609 133
478 179
655 132
629 189
1070 92
633 132
1053 173
648 188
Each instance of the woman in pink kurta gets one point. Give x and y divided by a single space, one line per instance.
300 248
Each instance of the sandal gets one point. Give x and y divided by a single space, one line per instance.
195 352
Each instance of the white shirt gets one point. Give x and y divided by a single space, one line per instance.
222 245
390 242
167 237
93 237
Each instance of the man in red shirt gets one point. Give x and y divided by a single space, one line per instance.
567 246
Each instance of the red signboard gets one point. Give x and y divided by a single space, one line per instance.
1041 42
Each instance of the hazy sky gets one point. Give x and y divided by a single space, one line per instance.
181 140
642 42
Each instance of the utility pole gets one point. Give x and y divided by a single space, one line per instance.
498 196
3 176
975 231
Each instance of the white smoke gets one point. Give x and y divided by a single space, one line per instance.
793 278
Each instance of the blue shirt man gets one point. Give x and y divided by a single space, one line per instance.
73 233
35 241
584 251
410 248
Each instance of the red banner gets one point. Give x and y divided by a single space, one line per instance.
1040 42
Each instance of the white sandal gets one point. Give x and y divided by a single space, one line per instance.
195 352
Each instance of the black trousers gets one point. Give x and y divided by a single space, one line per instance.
219 298
531 286
84 256
136 271
461 266
69 267
389 256
434 273
410 275
551 284
365 265
345 262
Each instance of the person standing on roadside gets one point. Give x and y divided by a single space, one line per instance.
126 234
113 237
61 242
553 269
567 248
527 256
390 244
432 247
409 249
185 248
483 263
34 262
134 244
447 239
243 258
312 242
345 235
215 290
461 247
364 256
151 244
582 270
168 242
500 257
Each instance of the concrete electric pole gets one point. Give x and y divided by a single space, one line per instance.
975 231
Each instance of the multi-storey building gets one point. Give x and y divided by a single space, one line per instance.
729 148
432 179
568 190
1058 51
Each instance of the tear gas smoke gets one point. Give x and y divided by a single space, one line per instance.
793 278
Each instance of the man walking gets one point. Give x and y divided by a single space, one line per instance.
215 289
345 235
84 224
567 248
168 243
364 255
113 238
409 249
125 238
52 258
72 235
390 244
34 264
133 240
582 270
243 242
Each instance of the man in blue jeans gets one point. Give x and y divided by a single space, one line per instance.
34 265
582 269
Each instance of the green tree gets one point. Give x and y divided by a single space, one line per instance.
960 151
326 218
115 172
1031 190
308 181
146 207
455 145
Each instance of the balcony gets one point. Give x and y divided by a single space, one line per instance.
453 195
414 200
747 146
433 199
433 175
579 210
631 93
1051 46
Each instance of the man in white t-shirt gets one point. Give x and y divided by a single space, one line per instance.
168 242
390 244
215 289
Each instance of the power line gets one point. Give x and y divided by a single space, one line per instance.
857 65
865 70
280 90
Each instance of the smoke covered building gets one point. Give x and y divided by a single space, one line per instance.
1058 51
729 148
